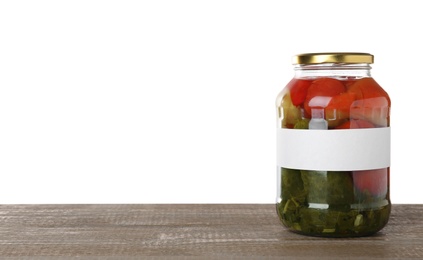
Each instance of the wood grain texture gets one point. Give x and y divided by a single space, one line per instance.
189 231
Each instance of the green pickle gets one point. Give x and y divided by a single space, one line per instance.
325 203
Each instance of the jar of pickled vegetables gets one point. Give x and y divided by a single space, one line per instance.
333 147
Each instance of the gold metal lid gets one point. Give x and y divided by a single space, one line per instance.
333 57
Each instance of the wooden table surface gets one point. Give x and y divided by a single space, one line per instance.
189 231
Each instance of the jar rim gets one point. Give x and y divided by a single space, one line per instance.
333 57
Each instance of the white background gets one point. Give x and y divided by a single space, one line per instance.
173 101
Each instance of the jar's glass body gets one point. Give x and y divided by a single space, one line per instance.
343 100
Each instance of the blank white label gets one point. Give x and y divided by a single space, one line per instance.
334 150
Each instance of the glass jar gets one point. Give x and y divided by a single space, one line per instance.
333 147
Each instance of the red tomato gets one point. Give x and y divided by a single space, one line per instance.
373 181
339 106
372 102
320 92
367 88
349 82
298 90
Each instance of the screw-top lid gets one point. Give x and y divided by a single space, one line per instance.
333 57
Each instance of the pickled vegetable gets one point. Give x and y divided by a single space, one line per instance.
334 203
325 203
291 114
298 90
320 93
341 100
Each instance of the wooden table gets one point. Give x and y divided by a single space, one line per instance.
189 231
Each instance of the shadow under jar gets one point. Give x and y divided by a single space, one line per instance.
333 147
